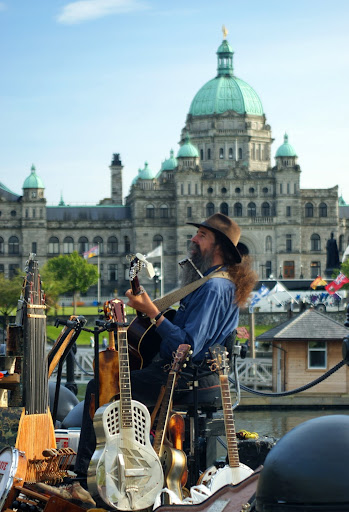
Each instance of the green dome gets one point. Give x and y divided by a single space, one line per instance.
170 163
188 150
33 180
226 91
341 201
144 174
286 149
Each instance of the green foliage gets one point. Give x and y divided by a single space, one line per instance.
10 291
345 271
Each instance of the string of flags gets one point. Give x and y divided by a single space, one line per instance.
94 251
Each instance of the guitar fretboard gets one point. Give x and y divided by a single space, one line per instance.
232 447
125 383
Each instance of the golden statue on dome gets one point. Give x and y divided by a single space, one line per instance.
225 31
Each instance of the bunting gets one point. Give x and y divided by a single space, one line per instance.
340 281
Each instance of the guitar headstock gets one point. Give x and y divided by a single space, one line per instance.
219 361
180 357
137 263
114 310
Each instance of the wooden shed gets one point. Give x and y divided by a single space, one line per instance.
303 349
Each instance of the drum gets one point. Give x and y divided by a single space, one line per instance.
11 460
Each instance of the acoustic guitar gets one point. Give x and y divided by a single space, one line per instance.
234 472
173 460
143 340
124 470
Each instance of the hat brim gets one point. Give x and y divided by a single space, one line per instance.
219 232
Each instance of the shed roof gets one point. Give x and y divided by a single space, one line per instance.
310 325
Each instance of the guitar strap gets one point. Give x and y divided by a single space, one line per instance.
168 300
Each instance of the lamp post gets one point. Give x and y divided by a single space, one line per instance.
156 279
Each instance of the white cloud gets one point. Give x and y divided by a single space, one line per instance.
85 10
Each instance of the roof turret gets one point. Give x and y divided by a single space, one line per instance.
33 180
144 174
187 150
170 164
286 150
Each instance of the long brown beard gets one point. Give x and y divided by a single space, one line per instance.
202 261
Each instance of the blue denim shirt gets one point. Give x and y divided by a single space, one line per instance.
205 317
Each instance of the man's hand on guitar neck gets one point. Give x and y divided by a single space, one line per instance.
143 303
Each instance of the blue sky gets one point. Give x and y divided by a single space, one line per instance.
82 80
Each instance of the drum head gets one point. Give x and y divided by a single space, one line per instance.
8 468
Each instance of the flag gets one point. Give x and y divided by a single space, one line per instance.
318 282
340 280
155 252
94 251
279 287
346 254
259 294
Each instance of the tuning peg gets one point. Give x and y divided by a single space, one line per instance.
184 366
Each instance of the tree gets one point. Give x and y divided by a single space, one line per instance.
10 292
70 273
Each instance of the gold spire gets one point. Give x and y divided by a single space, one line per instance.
225 32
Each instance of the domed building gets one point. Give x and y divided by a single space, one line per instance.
223 164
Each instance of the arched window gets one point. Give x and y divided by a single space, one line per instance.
237 210
224 208
112 245
82 244
265 210
221 153
2 247
201 154
53 245
323 210
341 243
150 211
68 245
240 154
251 209
157 240
208 154
309 210
230 154
98 240
127 244
209 209
268 243
164 210
315 242
13 245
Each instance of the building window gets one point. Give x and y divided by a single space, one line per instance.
34 213
196 189
267 269
288 243
224 208
323 210
315 243
288 188
224 190
113 272
268 244
150 211
238 210
82 244
189 237
280 188
309 210
2 245
288 211
230 154
208 154
209 209
251 210
13 270
201 154
251 190
13 213
240 154
221 153
127 245
2 269
237 190
157 240
53 245
341 243
315 269
34 247
210 190
265 210
26 213
164 211
317 355
68 245
289 269
265 190
13 245
189 212
189 189
99 241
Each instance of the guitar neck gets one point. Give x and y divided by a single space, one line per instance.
164 413
111 345
232 446
125 382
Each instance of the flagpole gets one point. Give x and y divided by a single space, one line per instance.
162 272
99 279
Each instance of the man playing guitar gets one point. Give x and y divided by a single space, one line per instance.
205 317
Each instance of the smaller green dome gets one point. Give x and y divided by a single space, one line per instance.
33 180
170 163
285 149
341 201
188 150
144 174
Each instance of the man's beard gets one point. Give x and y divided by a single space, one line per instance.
202 261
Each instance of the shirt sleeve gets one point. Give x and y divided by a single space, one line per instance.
199 320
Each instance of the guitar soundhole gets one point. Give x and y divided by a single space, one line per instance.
139 425
113 424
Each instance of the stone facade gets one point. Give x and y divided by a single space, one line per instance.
225 166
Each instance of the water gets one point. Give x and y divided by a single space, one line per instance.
276 423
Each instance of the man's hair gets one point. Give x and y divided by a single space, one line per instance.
242 274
